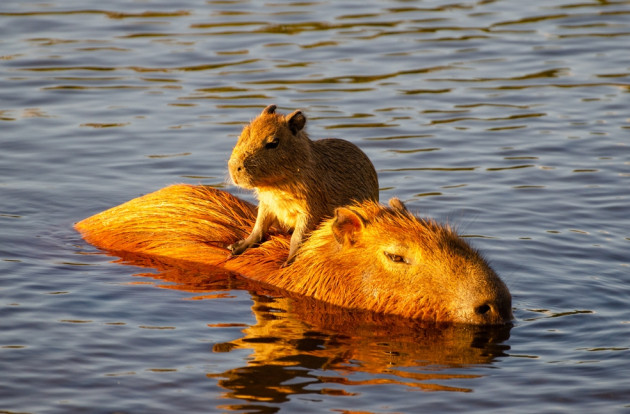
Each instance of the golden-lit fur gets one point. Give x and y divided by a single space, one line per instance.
368 256
298 182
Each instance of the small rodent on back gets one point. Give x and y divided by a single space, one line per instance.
298 181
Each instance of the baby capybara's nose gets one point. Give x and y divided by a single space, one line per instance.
235 166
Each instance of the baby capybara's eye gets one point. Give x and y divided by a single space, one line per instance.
272 144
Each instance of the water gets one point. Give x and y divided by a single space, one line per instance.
508 119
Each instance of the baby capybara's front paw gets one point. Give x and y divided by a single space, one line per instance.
239 247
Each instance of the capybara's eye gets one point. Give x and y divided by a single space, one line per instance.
396 258
272 144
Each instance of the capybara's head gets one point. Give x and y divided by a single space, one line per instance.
397 263
270 150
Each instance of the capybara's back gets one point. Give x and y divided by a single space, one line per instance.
344 174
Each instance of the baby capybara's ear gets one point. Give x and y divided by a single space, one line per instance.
397 205
347 225
296 121
270 109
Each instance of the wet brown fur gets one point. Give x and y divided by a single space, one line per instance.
351 260
298 182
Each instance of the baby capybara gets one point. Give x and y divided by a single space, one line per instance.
367 256
298 182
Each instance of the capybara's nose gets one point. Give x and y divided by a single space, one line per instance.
483 309
235 165
491 312
235 168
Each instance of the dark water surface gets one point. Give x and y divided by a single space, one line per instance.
510 119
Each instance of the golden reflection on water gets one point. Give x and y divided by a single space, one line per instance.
339 345
302 346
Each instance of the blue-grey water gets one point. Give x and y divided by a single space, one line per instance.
509 119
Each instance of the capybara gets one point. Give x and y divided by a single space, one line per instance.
367 256
298 182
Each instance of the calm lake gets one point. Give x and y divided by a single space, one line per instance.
507 119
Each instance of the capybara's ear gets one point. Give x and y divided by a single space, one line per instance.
296 121
347 225
269 109
397 205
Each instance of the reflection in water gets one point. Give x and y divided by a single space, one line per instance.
303 346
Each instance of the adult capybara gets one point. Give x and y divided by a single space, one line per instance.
298 182
367 256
